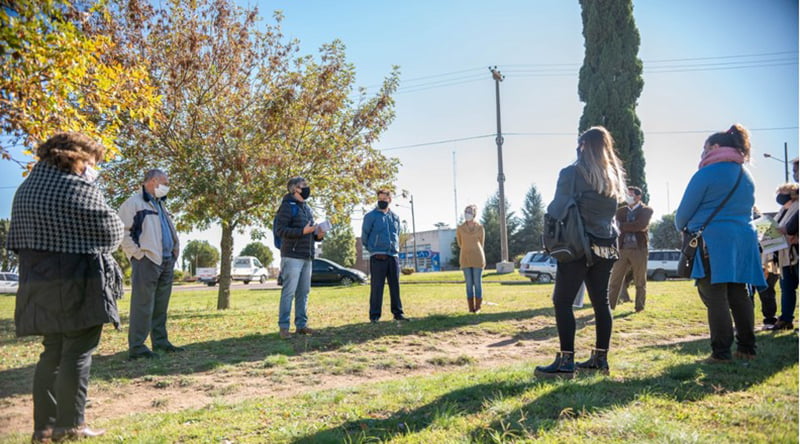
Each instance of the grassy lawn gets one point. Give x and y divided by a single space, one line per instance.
446 377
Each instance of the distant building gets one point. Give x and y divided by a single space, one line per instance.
433 251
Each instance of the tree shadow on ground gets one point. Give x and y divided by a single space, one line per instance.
205 356
569 400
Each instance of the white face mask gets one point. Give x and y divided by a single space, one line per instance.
468 216
161 190
629 199
90 174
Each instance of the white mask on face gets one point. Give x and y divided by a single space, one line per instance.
629 199
469 216
161 190
90 174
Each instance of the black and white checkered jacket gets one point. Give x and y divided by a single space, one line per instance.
58 211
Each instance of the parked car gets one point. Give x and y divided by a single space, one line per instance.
538 266
662 264
208 276
326 272
9 282
248 268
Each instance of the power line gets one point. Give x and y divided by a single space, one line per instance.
773 59
558 134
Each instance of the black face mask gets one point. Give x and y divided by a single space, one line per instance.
382 204
782 198
305 192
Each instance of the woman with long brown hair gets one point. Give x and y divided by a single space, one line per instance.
598 180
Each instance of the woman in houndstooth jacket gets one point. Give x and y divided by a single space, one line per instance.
64 233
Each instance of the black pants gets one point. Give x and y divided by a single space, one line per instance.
569 277
723 300
384 268
769 306
61 378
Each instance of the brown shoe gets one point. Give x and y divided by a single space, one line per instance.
478 302
73 433
284 333
714 360
305 331
42 436
744 356
471 304
783 325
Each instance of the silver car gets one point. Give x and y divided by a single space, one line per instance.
538 266
9 282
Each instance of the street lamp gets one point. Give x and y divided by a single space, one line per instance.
410 197
785 161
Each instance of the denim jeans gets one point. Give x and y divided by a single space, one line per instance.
788 292
473 276
296 275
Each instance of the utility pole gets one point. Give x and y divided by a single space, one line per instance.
786 162
455 190
501 178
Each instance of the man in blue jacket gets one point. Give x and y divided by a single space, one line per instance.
380 235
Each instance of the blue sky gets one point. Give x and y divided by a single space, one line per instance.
707 64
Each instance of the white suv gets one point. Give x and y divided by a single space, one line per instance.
538 266
662 264
248 268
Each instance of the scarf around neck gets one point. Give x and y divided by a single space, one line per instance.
721 154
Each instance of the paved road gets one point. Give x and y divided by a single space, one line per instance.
269 285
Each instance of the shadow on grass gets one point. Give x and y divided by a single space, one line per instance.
568 400
205 356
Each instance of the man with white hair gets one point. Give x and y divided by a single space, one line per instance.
151 243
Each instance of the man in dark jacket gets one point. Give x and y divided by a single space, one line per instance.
633 221
294 224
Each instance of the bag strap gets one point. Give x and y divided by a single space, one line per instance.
724 201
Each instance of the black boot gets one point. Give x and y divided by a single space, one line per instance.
598 362
562 367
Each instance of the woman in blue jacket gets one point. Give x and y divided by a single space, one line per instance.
730 259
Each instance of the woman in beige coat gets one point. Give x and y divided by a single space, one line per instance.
470 237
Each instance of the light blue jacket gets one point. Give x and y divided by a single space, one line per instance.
730 238
380 233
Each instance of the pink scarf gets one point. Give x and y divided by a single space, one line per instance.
721 154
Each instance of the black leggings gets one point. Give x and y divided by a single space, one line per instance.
569 277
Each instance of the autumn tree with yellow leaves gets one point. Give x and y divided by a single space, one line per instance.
61 71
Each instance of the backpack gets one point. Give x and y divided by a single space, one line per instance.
564 237
275 237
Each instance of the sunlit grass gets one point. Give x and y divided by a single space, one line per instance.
656 392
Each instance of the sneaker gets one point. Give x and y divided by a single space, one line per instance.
783 325
767 327
401 318
285 334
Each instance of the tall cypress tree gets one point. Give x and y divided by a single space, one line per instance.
611 80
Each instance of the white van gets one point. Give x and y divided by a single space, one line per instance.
248 268
662 264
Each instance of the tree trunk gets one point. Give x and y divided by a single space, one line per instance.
224 295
